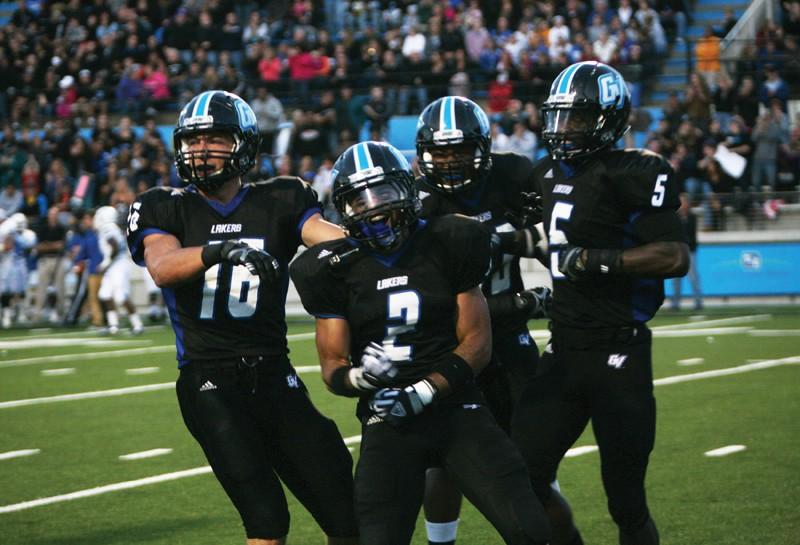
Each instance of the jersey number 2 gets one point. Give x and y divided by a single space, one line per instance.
403 307
241 304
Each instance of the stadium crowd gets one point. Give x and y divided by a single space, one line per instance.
737 108
88 84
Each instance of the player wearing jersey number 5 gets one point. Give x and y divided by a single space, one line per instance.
219 249
402 325
614 235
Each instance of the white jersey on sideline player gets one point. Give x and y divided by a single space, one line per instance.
115 267
16 242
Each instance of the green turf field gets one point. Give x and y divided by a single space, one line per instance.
751 496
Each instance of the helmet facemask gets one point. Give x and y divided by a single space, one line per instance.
197 166
379 212
453 168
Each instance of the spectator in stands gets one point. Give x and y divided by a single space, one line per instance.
378 113
726 25
747 101
706 51
269 115
500 93
724 99
720 183
11 200
697 101
774 87
771 131
50 267
522 141
414 42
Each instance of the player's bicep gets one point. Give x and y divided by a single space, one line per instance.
473 328
316 229
333 345
658 226
158 246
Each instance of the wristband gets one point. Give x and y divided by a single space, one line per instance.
340 385
211 254
425 390
455 370
603 261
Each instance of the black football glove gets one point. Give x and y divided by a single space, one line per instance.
534 303
398 406
531 212
576 262
258 262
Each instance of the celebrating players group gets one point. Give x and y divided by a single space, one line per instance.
421 314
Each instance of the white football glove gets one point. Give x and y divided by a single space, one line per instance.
376 370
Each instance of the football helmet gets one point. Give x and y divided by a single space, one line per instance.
18 222
586 112
105 215
375 193
215 112
453 144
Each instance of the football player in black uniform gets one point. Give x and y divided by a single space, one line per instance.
614 235
219 250
461 175
402 325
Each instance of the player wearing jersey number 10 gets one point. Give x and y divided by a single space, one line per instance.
219 249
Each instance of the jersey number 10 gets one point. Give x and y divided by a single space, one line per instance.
243 294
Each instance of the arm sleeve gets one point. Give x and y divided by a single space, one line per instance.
322 295
154 211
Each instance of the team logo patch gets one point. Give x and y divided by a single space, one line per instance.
617 360
524 339
292 381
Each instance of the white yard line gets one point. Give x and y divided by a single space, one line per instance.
718 321
142 370
49 333
19 453
96 491
702 332
579 451
724 451
766 364
81 341
58 372
122 486
774 332
145 454
88 395
161 349
691 361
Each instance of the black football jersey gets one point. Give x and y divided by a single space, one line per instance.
405 301
227 312
510 175
602 205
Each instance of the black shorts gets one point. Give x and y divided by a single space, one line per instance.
515 358
605 377
478 455
257 424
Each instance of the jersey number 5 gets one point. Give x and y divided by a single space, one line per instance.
659 191
243 294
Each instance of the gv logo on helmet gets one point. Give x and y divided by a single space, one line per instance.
610 89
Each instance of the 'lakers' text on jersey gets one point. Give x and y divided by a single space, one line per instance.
405 301
618 200
510 174
247 317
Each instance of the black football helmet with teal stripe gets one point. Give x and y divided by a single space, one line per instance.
215 112
374 191
453 144
587 110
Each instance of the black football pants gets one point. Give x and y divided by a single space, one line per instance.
477 454
605 377
256 425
